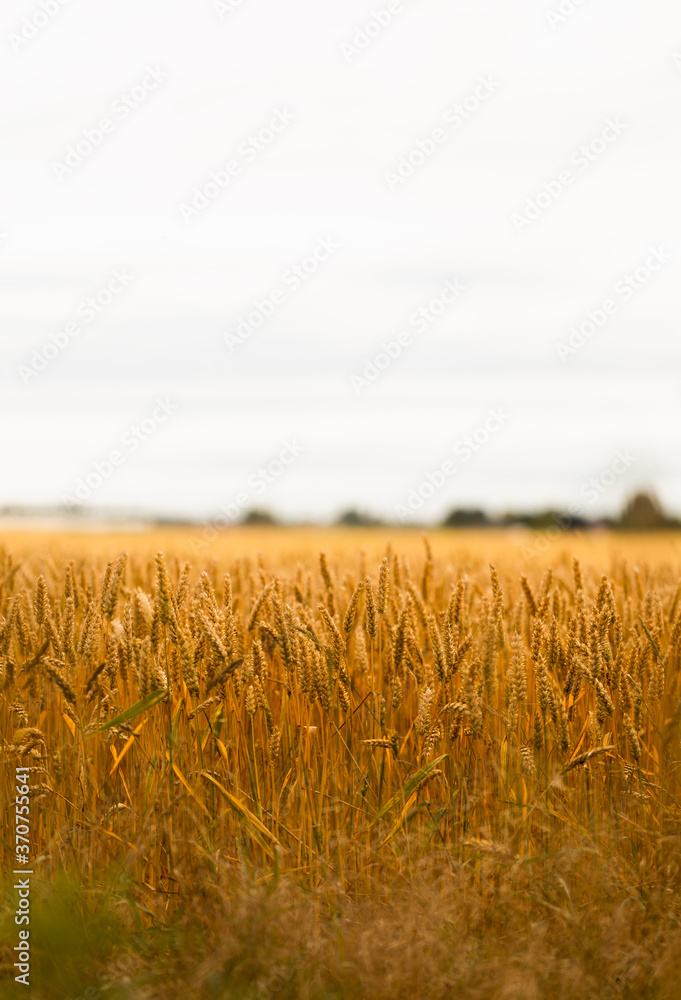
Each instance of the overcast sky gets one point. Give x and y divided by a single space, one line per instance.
400 256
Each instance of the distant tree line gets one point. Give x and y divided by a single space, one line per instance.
642 512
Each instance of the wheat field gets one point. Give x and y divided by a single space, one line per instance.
332 764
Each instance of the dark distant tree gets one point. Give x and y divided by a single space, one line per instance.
357 519
259 517
466 518
544 519
643 512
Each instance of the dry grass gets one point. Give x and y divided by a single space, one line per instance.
365 774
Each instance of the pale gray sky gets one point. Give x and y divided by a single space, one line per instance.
116 117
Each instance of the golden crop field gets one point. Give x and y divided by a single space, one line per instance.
343 764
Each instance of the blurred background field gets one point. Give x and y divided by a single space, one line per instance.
290 545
